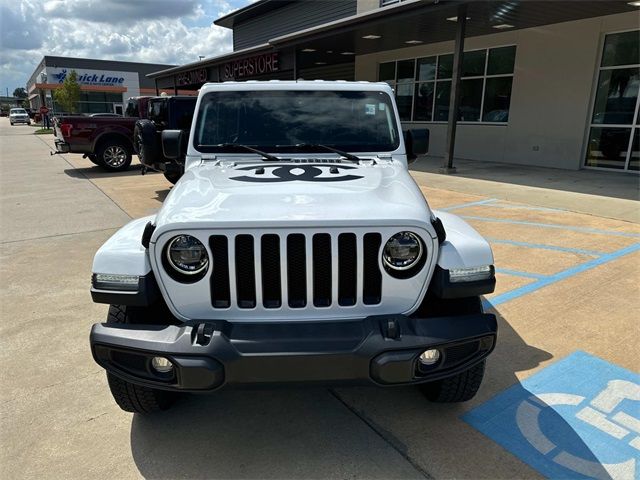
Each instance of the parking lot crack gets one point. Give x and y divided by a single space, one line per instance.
90 181
51 385
59 235
385 435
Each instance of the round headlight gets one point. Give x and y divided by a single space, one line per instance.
187 255
402 251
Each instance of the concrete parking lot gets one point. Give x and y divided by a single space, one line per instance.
567 282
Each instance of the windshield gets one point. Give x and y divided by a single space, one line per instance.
18 110
278 120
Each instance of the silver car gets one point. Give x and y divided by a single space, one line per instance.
19 115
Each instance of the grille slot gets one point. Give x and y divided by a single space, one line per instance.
322 270
220 293
295 270
270 265
347 269
372 278
245 272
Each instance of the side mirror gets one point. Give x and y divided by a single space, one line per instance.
416 142
173 143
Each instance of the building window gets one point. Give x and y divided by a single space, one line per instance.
613 133
423 86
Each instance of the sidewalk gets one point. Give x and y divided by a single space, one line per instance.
606 194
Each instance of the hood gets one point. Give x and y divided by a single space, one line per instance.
298 193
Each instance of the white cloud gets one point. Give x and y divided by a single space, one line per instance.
154 31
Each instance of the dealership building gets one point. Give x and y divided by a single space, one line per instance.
104 85
542 83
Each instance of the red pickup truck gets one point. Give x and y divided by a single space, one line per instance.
106 141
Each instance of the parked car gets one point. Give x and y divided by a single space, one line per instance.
19 115
295 248
164 113
106 141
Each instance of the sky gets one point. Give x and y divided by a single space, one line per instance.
155 31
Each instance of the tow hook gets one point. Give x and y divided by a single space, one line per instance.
203 334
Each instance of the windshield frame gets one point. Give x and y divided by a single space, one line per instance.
18 111
275 148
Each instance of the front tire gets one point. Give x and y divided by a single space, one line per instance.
114 155
173 177
129 396
459 388
463 386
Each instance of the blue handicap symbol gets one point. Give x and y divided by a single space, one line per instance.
578 418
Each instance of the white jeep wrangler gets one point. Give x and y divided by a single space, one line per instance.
296 248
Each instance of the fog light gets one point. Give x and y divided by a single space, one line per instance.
161 364
429 357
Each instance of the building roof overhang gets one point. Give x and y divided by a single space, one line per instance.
207 62
413 22
432 21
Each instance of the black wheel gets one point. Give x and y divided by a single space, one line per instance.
173 177
459 388
114 155
128 396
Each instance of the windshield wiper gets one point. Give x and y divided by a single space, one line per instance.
347 155
264 155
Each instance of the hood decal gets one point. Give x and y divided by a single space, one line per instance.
297 172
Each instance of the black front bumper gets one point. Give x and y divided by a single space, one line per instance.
382 350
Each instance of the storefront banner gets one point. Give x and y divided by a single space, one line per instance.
251 66
192 77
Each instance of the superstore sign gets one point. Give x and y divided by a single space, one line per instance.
251 66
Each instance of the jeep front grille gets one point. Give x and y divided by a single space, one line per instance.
295 270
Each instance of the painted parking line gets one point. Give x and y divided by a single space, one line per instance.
517 206
543 246
468 204
551 225
578 418
563 275
518 273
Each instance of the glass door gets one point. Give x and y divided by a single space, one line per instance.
614 131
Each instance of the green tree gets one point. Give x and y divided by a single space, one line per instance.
20 92
68 95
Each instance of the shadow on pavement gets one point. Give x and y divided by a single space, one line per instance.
279 433
99 172
609 184
162 194
320 433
